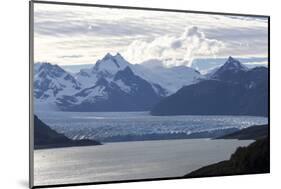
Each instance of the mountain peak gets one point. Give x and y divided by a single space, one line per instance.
110 64
49 69
232 63
118 55
107 56
51 80
45 65
230 70
115 57
230 58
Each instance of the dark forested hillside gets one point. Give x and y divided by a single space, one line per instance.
245 160
45 137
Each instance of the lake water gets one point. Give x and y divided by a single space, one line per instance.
103 125
129 160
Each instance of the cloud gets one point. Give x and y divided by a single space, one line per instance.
61 32
192 43
71 56
65 21
262 63
101 28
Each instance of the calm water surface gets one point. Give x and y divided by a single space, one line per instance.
129 160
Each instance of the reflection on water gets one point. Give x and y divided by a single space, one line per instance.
129 160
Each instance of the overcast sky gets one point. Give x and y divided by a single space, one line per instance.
68 35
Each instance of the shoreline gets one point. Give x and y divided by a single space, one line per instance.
249 133
131 160
256 152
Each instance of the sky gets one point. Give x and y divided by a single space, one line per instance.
72 35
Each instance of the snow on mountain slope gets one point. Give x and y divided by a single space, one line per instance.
51 81
154 71
95 92
110 65
107 67
111 79
170 78
87 77
125 92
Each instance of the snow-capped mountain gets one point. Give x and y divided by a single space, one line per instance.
110 65
107 67
112 84
51 81
170 78
154 71
125 92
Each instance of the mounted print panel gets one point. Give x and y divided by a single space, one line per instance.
122 94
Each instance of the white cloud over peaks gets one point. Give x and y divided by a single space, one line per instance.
192 43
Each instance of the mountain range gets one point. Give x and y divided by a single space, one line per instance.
230 90
112 84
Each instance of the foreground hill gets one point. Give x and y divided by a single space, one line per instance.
250 133
246 160
45 137
231 90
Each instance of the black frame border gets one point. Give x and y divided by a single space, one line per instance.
31 62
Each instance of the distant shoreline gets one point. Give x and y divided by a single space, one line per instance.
249 133
253 132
